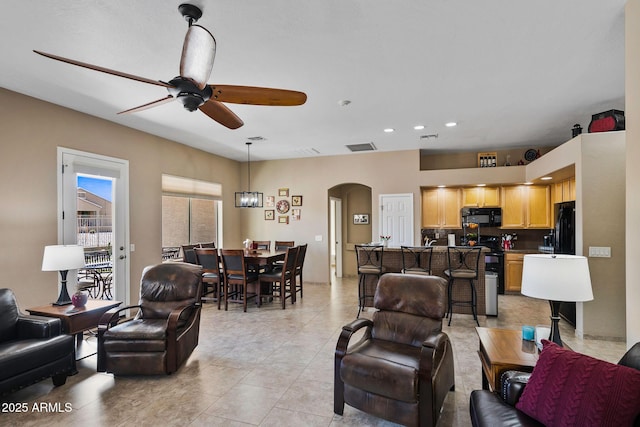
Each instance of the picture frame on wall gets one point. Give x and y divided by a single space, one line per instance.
283 192
269 215
270 201
296 200
295 214
361 219
283 219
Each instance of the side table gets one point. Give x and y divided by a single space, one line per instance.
77 320
502 350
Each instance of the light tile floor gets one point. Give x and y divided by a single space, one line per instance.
267 367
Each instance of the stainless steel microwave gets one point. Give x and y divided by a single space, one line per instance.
484 217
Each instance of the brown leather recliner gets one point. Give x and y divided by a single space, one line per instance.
402 368
161 337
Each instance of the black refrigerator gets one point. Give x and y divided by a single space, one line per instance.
565 243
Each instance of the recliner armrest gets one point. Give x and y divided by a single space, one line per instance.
347 332
38 327
512 384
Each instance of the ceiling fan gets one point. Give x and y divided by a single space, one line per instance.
191 87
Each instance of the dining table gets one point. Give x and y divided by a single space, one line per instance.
262 257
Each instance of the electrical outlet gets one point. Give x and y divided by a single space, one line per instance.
600 251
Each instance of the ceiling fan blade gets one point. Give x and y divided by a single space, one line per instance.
257 95
221 114
103 70
152 104
198 52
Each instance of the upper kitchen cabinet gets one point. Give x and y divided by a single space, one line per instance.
441 207
564 191
481 197
526 206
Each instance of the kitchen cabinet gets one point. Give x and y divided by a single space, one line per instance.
481 197
526 206
513 263
441 208
564 191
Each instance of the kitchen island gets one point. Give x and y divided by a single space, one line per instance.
392 261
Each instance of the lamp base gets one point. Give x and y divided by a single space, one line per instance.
554 335
63 298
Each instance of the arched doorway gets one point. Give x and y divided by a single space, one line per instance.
347 201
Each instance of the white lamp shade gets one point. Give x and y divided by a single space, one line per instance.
62 257
556 278
198 52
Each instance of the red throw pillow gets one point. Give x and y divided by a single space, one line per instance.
572 389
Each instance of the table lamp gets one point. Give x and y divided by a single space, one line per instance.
63 258
556 278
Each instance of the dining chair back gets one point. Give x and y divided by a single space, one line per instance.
282 245
208 245
211 275
282 281
302 252
263 245
237 278
416 259
189 254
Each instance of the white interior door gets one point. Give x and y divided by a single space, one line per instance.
76 163
396 218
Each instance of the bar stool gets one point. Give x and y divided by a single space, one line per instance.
416 259
369 259
463 264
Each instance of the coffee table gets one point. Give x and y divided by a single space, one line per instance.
502 350
77 320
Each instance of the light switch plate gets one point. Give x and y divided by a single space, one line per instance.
319 238
600 251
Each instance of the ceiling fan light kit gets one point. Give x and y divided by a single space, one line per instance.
191 87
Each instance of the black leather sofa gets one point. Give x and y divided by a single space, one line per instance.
32 348
492 409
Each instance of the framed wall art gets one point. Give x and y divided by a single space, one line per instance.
283 219
269 215
270 201
361 219
295 214
296 200
283 192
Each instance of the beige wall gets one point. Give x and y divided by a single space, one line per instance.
632 113
31 132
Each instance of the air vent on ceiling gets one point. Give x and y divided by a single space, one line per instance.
362 147
306 151
257 138
433 135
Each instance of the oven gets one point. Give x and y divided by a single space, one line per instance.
494 259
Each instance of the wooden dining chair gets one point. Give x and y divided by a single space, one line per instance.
302 252
237 278
208 245
263 245
282 245
211 275
283 281
189 254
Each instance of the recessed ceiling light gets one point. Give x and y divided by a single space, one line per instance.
418 127
442 186
389 130
451 124
528 183
546 178
481 185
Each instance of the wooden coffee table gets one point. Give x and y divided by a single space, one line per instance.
77 320
502 350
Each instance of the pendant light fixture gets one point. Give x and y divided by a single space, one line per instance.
248 199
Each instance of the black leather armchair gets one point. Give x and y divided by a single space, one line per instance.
32 348
164 333
402 368
492 409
